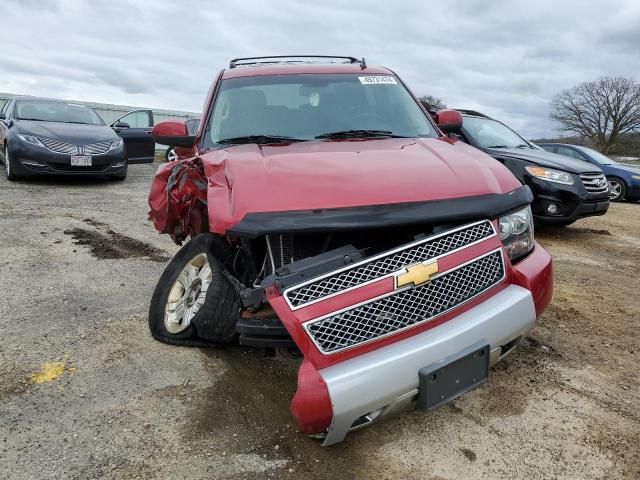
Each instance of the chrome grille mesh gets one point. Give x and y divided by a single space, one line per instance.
97 148
594 182
67 148
407 307
58 146
379 267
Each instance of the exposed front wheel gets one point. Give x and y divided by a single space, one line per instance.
170 155
617 189
194 303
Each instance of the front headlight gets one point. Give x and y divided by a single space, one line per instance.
117 144
550 175
635 177
516 233
30 139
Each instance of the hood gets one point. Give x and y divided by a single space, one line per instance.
73 133
544 158
328 174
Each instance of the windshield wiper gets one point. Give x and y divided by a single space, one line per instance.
498 146
359 134
523 145
258 139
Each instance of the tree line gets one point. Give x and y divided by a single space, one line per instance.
605 112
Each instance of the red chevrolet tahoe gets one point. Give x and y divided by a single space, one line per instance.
328 214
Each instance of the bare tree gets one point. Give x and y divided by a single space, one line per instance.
434 103
601 110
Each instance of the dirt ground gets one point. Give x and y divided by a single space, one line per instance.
86 393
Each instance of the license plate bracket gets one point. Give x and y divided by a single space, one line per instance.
449 378
81 160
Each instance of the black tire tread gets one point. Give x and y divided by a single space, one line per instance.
215 322
12 177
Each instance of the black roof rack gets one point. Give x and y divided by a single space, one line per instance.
291 59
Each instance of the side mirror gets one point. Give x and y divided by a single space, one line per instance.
121 125
449 121
173 134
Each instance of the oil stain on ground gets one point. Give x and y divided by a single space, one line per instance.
113 245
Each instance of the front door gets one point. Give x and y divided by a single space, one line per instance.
136 135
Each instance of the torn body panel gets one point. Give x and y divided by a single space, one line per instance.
324 185
178 200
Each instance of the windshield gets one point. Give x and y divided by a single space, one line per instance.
306 107
52 111
492 134
597 156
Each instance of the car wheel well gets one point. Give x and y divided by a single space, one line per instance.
617 178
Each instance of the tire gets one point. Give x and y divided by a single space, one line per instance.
9 168
618 189
170 155
218 304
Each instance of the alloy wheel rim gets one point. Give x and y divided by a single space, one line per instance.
7 164
187 294
615 189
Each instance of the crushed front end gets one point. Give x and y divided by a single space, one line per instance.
381 315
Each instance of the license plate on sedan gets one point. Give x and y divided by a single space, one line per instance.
447 380
80 160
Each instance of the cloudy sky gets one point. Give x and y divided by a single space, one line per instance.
504 58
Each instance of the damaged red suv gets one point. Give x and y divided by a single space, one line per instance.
326 211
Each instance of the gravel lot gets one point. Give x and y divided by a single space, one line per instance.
86 393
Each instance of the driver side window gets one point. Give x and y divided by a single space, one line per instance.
569 152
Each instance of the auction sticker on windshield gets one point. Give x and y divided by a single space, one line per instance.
378 80
80 160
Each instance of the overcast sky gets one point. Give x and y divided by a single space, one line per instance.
506 59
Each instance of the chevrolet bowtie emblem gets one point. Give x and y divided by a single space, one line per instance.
416 274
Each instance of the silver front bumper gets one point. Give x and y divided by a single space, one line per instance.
372 385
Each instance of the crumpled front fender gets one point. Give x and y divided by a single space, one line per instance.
178 199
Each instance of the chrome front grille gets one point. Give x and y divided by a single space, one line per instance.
57 146
97 148
409 307
386 263
595 182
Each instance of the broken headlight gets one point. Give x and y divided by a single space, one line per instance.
516 233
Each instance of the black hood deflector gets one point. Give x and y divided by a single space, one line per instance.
451 210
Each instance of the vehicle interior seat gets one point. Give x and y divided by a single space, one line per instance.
247 113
